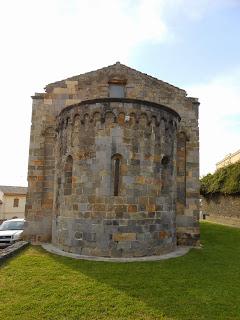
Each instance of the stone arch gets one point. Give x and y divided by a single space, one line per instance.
154 121
86 119
121 118
68 133
61 125
143 120
170 123
67 122
109 117
76 117
96 118
76 130
133 119
162 130
163 123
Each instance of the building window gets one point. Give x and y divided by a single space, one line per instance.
15 203
116 163
116 90
68 176
165 160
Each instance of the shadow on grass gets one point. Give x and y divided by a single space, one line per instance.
204 284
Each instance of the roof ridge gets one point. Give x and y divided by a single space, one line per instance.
14 190
76 76
12 186
154 78
112 65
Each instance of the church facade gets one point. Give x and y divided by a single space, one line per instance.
113 165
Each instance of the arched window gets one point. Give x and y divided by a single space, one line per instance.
116 164
68 176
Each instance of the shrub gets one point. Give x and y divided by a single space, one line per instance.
225 180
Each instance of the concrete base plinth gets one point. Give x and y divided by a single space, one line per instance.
180 251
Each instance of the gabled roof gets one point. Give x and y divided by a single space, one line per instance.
118 67
12 190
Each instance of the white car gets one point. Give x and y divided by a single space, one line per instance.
11 231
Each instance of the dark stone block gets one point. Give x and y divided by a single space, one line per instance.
152 227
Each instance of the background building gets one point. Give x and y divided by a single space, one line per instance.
229 159
12 202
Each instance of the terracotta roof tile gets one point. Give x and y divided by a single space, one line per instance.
13 190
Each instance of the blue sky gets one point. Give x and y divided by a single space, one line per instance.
201 48
193 44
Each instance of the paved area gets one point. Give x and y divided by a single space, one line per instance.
180 251
12 250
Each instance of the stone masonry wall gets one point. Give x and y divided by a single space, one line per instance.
222 209
47 106
141 219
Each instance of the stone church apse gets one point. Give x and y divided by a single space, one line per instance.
113 165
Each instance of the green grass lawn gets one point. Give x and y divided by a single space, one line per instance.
204 284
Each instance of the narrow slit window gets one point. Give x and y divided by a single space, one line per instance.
116 176
116 173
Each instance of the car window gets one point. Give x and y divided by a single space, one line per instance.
12 225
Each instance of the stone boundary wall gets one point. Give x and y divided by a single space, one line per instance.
12 250
223 209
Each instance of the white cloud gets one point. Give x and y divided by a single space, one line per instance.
219 116
47 40
59 38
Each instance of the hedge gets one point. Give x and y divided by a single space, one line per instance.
225 180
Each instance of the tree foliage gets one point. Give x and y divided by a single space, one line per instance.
225 180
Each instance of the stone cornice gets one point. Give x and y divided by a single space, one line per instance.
123 100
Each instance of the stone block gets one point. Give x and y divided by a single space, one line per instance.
99 207
132 208
140 180
124 236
